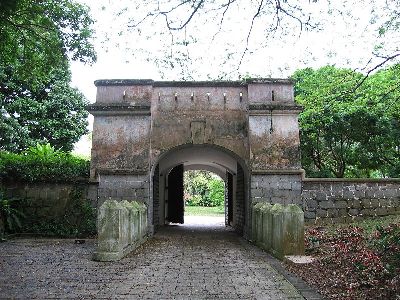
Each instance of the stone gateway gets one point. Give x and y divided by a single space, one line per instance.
147 133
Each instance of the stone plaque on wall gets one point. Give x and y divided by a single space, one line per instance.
198 130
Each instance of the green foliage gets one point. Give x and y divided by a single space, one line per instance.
202 188
10 214
37 36
348 131
387 241
51 113
42 164
37 103
78 221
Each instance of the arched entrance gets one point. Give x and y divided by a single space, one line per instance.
167 182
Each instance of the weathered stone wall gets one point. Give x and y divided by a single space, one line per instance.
49 201
342 200
276 188
189 113
240 204
156 196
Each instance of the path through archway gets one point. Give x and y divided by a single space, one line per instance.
168 195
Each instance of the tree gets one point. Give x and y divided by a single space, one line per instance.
36 102
203 188
38 35
53 112
348 131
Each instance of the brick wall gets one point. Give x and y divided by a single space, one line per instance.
342 200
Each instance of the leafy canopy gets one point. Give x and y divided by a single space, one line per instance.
36 102
348 131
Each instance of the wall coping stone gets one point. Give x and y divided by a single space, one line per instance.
357 180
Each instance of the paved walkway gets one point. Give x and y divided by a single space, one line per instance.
181 262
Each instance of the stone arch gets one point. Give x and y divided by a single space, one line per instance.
223 162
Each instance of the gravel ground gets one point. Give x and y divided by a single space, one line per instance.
194 261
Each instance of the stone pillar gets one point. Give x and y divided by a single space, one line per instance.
277 230
293 220
287 230
256 221
266 226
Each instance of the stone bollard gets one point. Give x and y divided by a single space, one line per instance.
293 220
143 220
112 227
136 220
132 215
266 226
277 230
287 230
255 221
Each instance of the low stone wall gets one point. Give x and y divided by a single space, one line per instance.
278 229
48 201
344 200
122 227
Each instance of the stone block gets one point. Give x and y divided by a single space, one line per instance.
391 193
384 202
277 230
366 203
348 194
296 185
370 193
321 213
374 203
326 204
356 203
266 216
113 231
254 211
333 212
379 194
287 230
353 212
381 211
257 222
367 212
132 222
310 214
342 212
341 204
256 192
320 196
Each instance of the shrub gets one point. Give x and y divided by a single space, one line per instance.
11 215
387 242
42 164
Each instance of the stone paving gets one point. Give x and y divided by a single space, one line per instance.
193 261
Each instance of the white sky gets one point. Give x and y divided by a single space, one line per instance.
345 44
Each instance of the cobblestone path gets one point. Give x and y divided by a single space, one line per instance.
180 262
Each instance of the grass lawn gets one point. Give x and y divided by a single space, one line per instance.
204 211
